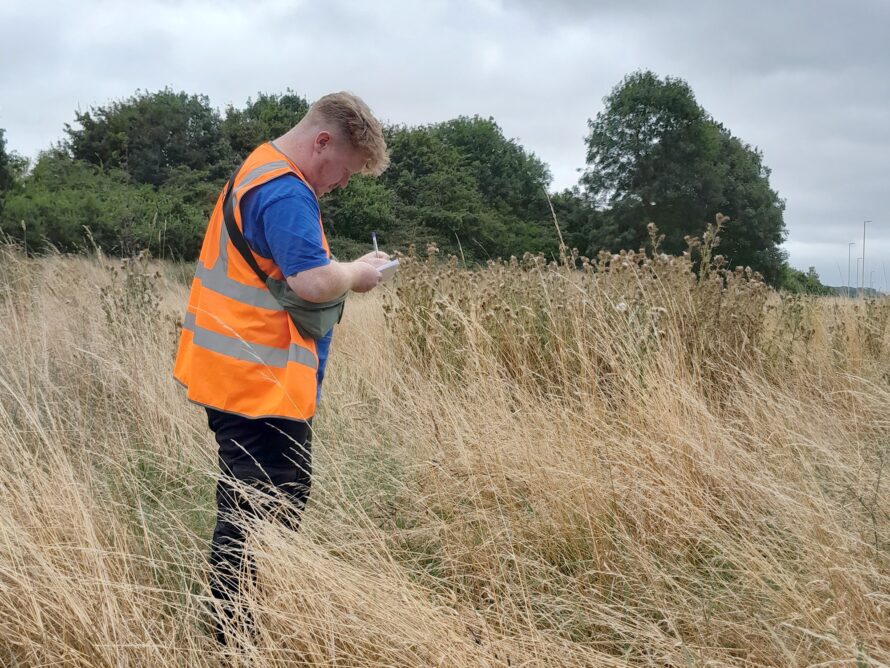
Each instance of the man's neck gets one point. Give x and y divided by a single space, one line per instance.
290 146
296 148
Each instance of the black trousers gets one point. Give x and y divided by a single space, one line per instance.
272 455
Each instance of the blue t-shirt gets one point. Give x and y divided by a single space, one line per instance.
280 222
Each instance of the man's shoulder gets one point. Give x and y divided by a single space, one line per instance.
287 185
270 210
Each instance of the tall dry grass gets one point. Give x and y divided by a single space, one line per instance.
517 465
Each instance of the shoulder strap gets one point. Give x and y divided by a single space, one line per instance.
235 234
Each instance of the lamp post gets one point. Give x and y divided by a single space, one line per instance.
864 222
849 285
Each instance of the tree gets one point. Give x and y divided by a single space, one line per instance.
436 200
69 204
512 185
578 221
12 171
268 117
146 171
654 155
12 167
464 186
509 179
794 280
756 226
149 135
7 177
351 215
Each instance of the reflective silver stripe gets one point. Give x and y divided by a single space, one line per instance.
257 172
301 355
223 257
250 352
216 280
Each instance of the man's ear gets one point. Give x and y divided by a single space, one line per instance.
322 140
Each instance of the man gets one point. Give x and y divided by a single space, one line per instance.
241 354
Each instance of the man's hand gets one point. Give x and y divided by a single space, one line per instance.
374 258
365 276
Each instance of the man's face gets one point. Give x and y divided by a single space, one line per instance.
336 160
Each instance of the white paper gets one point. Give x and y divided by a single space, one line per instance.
389 269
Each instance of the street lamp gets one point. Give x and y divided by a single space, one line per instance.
849 286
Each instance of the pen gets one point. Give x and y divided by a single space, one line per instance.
374 239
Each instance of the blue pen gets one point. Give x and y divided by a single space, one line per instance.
374 239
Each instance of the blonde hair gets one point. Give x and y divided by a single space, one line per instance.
354 119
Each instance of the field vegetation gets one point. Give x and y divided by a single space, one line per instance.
625 460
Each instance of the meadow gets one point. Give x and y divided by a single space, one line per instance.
630 462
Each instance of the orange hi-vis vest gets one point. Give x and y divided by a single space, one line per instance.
239 350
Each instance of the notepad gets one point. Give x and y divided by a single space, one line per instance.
388 270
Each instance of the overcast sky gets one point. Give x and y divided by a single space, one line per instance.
808 82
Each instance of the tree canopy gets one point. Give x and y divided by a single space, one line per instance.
150 135
7 176
145 171
265 118
12 167
460 185
655 155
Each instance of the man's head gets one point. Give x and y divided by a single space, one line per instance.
338 137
